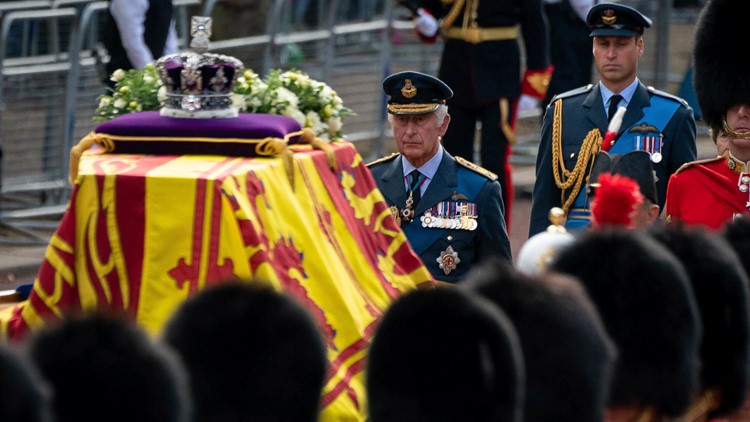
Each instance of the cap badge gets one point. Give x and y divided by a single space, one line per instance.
409 90
609 17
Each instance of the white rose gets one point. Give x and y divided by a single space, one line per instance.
238 101
302 79
148 78
312 120
117 76
254 103
161 94
295 114
287 96
120 103
327 92
334 124
105 102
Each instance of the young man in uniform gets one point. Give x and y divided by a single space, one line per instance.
451 210
575 121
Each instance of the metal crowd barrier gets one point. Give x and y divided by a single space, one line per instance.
32 125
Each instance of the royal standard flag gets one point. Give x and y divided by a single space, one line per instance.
142 233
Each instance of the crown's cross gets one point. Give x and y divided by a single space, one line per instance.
200 30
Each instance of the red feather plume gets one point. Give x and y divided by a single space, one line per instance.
616 198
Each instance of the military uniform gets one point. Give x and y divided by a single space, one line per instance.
455 216
481 62
652 118
709 193
656 122
459 220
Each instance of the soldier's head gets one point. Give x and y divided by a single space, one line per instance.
609 195
444 355
568 356
106 368
720 80
644 298
253 353
737 233
721 290
23 396
417 113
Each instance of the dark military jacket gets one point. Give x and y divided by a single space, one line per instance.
457 184
582 111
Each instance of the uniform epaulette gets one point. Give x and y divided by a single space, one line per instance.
477 169
572 93
704 161
668 95
383 159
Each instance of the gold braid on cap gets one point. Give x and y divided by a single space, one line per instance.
731 132
589 148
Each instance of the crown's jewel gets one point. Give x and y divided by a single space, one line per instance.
199 84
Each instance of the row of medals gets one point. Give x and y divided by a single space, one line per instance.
461 222
650 144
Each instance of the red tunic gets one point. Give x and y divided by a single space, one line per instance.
707 193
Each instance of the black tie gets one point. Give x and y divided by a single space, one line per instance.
414 183
613 102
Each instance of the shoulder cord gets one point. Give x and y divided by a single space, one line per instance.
589 148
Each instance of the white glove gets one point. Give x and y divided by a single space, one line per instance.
527 104
425 23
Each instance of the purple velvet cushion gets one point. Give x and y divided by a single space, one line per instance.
176 134
245 126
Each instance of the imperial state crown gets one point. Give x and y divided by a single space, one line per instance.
199 84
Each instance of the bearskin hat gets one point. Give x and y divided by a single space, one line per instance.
737 233
23 397
444 355
102 367
721 291
720 78
253 353
644 298
568 355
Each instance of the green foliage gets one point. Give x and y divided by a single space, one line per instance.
135 90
